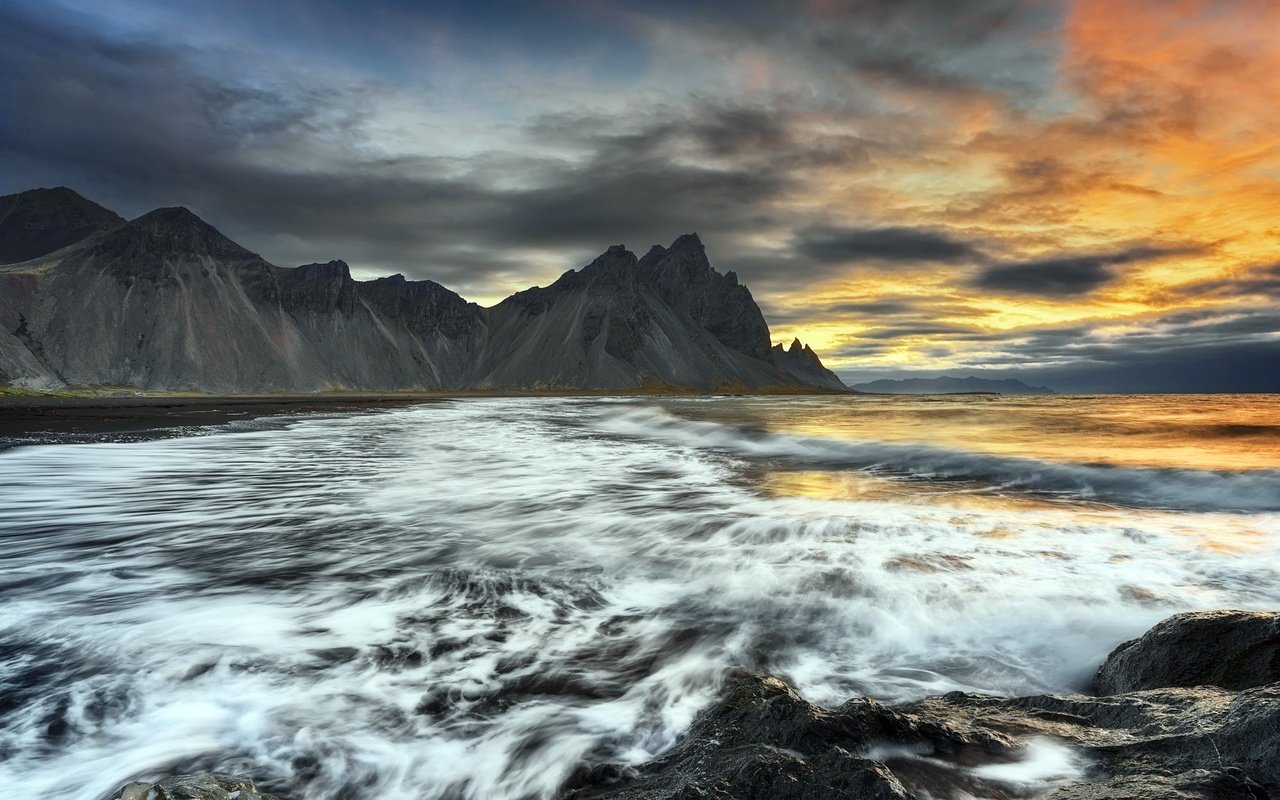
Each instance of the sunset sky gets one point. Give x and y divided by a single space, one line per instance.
1079 192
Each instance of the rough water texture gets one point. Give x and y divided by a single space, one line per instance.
166 301
495 598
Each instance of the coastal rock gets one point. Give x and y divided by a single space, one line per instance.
762 741
206 786
1230 649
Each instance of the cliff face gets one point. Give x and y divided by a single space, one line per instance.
167 302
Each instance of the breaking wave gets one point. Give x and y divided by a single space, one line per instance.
482 599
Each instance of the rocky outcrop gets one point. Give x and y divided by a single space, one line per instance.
1179 740
1229 649
802 363
762 741
40 221
167 302
208 786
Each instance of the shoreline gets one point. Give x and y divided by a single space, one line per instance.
28 414
24 417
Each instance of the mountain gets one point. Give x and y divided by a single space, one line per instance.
804 365
621 322
950 385
167 302
40 221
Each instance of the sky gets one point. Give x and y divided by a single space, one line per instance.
1083 193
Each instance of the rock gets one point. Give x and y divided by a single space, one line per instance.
205 786
167 302
1185 742
1230 649
762 741
804 364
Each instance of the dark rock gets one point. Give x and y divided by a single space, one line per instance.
207 786
1231 649
763 741
804 364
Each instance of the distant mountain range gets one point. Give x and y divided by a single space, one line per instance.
165 301
949 385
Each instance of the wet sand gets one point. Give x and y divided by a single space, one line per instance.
26 418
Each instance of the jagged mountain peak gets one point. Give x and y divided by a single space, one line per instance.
616 256
37 222
687 241
800 360
174 233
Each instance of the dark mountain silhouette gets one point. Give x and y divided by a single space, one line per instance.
166 301
804 365
40 221
951 385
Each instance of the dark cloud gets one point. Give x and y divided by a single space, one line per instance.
1187 351
954 332
1066 276
834 245
937 47
308 163
281 167
1253 280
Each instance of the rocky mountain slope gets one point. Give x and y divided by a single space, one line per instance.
166 301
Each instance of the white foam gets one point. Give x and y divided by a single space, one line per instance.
468 599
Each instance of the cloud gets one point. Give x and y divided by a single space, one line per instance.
866 166
838 245
1066 276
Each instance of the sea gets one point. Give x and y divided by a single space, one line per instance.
481 597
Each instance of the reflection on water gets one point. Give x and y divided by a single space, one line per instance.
1231 432
477 598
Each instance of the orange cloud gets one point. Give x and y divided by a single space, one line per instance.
1164 127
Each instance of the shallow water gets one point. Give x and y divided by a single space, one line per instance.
475 598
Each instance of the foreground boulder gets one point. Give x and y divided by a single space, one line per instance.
763 742
208 786
1231 649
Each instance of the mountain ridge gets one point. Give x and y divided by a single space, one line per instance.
41 221
948 384
166 301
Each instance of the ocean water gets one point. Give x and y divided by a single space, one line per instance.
475 598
